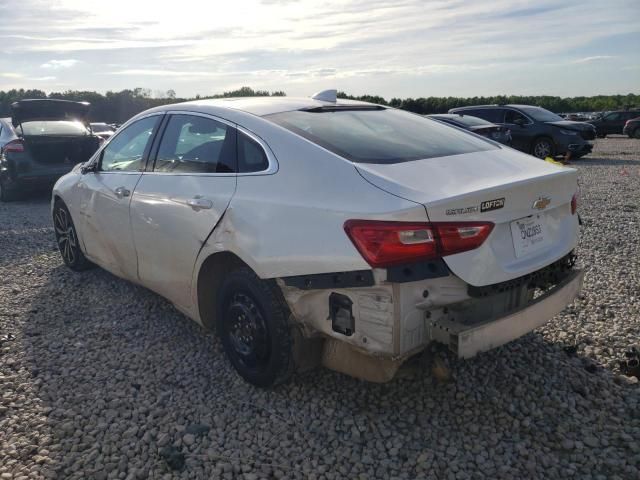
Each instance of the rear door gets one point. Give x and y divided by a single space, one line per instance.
180 198
105 196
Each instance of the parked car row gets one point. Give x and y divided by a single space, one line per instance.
537 131
613 123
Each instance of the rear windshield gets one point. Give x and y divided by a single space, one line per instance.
471 121
379 136
54 127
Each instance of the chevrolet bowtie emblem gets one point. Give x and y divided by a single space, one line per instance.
541 203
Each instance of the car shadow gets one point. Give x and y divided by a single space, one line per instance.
119 374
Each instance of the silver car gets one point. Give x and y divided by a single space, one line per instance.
313 231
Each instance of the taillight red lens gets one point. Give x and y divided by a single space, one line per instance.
574 203
14 146
384 244
461 236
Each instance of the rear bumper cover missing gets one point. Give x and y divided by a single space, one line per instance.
467 341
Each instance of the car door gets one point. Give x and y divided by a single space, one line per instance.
520 127
180 199
105 196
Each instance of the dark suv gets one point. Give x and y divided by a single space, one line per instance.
613 122
537 131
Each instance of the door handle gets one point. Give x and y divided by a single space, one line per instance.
199 203
122 192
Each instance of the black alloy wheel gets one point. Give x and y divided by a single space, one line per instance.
67 239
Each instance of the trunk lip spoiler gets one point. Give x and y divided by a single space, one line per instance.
48 109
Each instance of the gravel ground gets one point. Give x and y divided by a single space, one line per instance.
103 379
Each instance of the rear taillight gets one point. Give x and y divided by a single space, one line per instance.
574 203
384 244
14 146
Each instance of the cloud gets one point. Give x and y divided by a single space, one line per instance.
58 64
595 58
11 75
401 48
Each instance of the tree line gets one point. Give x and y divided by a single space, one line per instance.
117 107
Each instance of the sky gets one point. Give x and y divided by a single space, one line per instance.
401 48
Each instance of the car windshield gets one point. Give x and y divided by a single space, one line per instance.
52 127
541 115
379 135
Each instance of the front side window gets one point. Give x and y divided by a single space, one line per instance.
125 152
382 136
511 116
192 144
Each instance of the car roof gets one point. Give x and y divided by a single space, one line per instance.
259 106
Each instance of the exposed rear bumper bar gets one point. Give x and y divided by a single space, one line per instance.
469 340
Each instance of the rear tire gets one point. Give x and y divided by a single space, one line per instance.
8 193
67 239
543 147
253 324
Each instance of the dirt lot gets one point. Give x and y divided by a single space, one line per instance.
103 379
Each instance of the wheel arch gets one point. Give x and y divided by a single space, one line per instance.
210 276
538 137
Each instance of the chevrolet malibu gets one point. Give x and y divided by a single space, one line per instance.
312 231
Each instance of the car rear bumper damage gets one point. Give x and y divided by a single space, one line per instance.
468 340
370 324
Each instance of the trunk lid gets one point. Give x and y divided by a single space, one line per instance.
48 109
500 186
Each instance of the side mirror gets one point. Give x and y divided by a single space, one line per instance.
89 168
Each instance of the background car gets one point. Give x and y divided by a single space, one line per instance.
613 123
318 230
102 130
632 128
537 131
476 125
48 137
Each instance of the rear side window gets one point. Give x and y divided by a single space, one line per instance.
192 144
493 115
382 136
251 156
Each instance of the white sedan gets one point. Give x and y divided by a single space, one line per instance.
323 231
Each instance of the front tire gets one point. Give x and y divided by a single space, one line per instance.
543 147
636 133
67 239
253 325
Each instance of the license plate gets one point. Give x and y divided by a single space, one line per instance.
529 235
